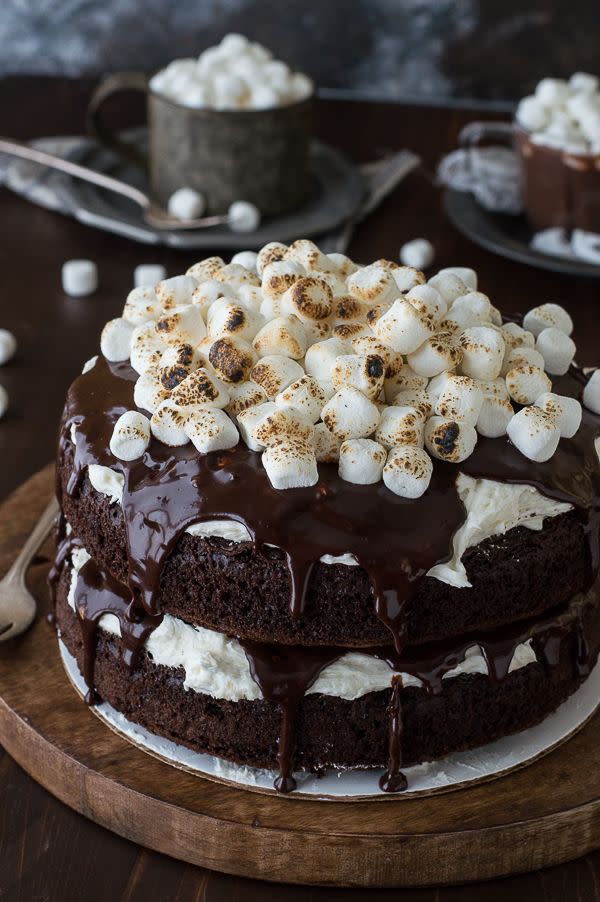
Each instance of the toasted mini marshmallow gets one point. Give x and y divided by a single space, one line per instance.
176 363
309 298
372 285
210 429
349 414
402 378
546 316
115 341
274 372
205 269
234 275
402 327
437 353
141 305
177 291
418 253
291 464
517 337
281 423
225 317
345 308
400 426
428 302
317 330
520 356
348 331
471 309
201 389
181 324
232 358
494 416
270 253
534 433
208 292
146 347
370 344
566 412
149 392
459 399
483 352
251 297
167 424
326 445
419 398
557 349
244 395
131 435
449 439
321 356
449 285
407 278
464 273
343 265
277 277
361 461
284 335
304 395
364 372
591 392
249 418
525 383
308 255
408 471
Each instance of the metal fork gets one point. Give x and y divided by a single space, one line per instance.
17 604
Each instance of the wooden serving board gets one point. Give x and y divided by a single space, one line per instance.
542 814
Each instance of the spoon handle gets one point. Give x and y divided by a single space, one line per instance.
33 542
16 149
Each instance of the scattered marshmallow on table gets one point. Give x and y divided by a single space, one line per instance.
8 346
148 275
79 277
131 435
418 253
361 461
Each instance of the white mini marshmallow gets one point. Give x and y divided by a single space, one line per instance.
304 395
408 471
205 269
547 315
552 92
186 203
525 383
565 411
274 372
8 346
245 395
483 352
115 340
361 461
142 305
235 275
428 301
3 401
284 335
349 414
167 424
419 398
471 309
308 255
532 115
147 275
281 423
247 259
372 285
79 278
210 429
131 435
449 439
279 276
232 358
251 297
146 347
406 277
464 273
249 418
436 354
584 83
459 399
149 392
242 216
273 252
309 298
343 265
225 317
519 356
200 389
176 291
364 372
449 285
321 357
557 349
591 392
326 444
401 378
402 327
494 416
176 363
181 324
418 253
291 464
209 292
400 426
534 433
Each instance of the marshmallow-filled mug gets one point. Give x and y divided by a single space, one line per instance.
233 124
556 134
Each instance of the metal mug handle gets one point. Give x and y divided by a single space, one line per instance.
96 126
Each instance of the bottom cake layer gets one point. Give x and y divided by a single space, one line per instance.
470 710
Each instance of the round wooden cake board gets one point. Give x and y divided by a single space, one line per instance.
536 816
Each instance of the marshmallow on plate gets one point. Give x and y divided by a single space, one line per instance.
131 435
361 461
408 471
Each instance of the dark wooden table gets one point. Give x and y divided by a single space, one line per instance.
47 852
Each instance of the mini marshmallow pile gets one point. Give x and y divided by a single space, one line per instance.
311 358
564 115
235 75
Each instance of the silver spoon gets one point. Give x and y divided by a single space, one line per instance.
17 604
152 213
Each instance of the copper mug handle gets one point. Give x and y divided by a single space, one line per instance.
96 126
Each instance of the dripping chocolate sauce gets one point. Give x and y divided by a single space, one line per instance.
395 540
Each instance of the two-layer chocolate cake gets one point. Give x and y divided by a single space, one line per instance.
320 515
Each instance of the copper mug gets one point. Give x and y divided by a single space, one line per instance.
558 188
261 156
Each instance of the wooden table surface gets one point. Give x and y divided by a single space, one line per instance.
47 852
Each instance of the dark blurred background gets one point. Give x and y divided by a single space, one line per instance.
487 50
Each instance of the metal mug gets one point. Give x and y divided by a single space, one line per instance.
559 188
261 156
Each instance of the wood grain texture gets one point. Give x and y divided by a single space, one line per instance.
543 814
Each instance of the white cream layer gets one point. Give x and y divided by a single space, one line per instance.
216 665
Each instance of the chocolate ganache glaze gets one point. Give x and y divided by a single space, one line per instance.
395 540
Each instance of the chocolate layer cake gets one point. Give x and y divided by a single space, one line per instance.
319 515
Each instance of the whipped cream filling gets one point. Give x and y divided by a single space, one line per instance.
216 665
492 509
